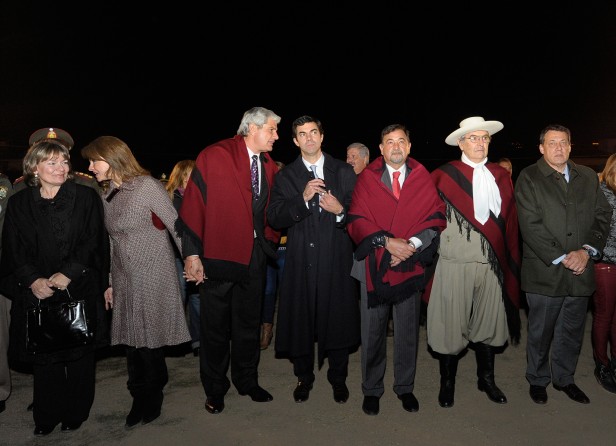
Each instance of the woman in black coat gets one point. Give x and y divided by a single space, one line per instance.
54 239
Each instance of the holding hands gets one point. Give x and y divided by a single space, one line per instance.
193 270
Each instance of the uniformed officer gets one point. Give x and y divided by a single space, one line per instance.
66 139
5 307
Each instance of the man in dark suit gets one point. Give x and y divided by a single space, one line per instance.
395 220
225 240
564 220
317 299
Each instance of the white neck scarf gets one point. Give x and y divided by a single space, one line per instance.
486 195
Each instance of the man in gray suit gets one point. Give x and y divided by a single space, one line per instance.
564 220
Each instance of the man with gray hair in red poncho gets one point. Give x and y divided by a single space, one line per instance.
226 241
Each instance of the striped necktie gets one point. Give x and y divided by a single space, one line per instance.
254 176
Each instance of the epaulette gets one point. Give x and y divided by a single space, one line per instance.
4 192
85 175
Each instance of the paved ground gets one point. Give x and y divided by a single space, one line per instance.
474 420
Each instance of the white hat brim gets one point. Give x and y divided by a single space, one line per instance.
491 127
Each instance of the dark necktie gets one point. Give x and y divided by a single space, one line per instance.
254 176
314 172
396 185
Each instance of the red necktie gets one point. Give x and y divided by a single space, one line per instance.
396 185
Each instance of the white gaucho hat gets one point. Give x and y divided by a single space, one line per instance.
470 125
52 133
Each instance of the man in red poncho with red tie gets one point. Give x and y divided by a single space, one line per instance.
396 228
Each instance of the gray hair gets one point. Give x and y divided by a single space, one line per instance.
363 150
257 116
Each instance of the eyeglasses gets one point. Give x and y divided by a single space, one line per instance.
554 144
475 138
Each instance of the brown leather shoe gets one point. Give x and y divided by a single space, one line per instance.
267 332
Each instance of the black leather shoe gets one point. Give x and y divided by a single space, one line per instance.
2 406
538 394
69 427
341 393
573 392
604 378
41 431
258 394
196 351
370 406
409 402
215 404
302 391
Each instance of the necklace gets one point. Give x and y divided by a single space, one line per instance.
46 195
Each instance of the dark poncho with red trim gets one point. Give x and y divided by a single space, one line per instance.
500 236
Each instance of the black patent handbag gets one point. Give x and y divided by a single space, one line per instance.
58 325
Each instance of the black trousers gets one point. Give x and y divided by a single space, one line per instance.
64 391
147 370
338 361
231 330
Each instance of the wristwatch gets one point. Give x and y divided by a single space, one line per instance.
593 253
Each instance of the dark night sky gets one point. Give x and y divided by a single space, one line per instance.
170 80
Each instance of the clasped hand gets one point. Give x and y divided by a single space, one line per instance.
193 270
576 261
43 288
400 250
327 200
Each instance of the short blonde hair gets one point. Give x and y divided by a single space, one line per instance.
42 151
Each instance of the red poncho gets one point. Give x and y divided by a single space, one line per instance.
216 212
374 210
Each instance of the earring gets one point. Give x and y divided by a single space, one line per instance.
35 174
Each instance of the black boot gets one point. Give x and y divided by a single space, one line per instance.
153 405
135 415
485 373
448 365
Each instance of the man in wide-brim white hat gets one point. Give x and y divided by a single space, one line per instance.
473 299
